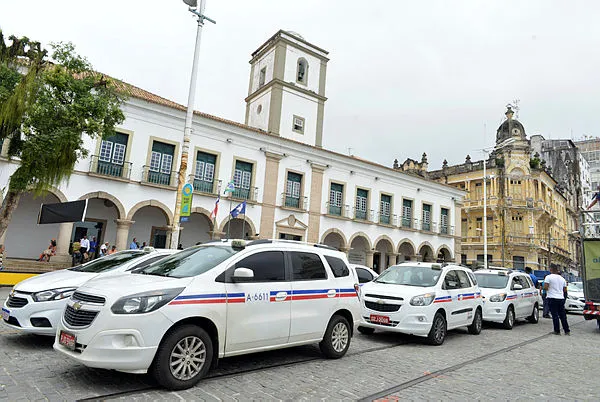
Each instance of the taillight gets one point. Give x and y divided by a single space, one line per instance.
357 289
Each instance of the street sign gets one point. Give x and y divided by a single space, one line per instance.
184 219
186 200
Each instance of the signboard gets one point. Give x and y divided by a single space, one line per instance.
62 212
186 202
591 277
357 257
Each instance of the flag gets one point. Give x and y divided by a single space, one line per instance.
239 210
213 214
230 187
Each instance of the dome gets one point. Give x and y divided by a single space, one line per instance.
510 128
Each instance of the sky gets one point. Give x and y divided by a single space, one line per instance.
404 77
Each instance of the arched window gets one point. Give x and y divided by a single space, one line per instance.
302 71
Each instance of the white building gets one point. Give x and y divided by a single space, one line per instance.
294 188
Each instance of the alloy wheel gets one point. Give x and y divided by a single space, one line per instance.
187 358
339 337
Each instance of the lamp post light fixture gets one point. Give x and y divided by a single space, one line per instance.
487 152
197 8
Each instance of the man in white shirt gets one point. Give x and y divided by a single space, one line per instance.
556 289
103 249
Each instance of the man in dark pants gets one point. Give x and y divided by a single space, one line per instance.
556 288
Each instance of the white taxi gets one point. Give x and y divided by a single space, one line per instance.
422 299
36 304
507 295
176 317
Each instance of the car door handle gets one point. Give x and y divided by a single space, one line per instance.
281 296
331 293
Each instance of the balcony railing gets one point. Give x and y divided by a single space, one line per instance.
109 168
249 194
160 178
336 210
409 223
361 215
294 202
204 186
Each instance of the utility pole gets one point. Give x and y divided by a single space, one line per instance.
196 8
549 248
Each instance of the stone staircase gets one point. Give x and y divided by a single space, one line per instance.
32 266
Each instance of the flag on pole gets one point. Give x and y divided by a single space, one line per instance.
230 188
213 214
239 210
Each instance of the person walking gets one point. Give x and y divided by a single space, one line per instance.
133 245
534 278
93 248
556 288
84 246
546 307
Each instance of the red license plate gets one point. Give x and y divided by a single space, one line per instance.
67 340
379 319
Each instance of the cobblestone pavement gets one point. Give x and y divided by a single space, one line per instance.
488 366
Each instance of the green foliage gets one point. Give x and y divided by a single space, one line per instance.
47 106
500 162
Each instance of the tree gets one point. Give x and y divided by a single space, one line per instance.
46 107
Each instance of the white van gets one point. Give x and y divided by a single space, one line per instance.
176 317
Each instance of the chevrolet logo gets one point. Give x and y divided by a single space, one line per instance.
380 301
77 306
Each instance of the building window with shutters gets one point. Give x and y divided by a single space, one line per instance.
362 200
336 195
407 214
293 188
444 220
426 217
110 160
298 125
242 180
385 209
204 174
161 164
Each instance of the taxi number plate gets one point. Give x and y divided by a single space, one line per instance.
5 314
68 340
379 319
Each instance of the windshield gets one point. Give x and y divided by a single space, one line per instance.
576 286
491 281
190 262
109 262
410 275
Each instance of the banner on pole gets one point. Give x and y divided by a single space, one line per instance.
186 202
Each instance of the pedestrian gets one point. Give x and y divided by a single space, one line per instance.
534 278
180 247
556 286
76 253
2 255
93 248
133 245
103 249
546 307
84 246
112 250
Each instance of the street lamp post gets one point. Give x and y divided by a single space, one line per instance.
196 8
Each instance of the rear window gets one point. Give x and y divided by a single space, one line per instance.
364 276
109 262
307 266
338 266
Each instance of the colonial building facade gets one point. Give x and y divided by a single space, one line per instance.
531 219
293 187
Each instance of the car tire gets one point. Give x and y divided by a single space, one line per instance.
336 340
438 331
366 330
191 343
535 315
477 324
509 320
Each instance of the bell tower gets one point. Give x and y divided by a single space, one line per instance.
286 95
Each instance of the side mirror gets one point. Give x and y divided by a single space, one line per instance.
516 286
242 275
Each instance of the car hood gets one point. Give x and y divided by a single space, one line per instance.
58 279
113 287
404 291
576 294
487 292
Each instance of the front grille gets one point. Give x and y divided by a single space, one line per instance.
79 318
16 302
13 321
384 297
388 308
88 298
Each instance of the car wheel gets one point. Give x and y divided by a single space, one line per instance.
535 315
183 358
437 333
509 320
366 330
476 325
336 341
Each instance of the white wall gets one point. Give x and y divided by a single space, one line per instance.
292 55
260 120
267 60
296 103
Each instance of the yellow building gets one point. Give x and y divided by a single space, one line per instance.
529 222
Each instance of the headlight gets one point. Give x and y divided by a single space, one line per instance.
572 297
52 294
144 302
498 298
422 300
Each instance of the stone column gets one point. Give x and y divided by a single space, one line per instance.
314 210
267 215
370 254
393 258
123 226
63 240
